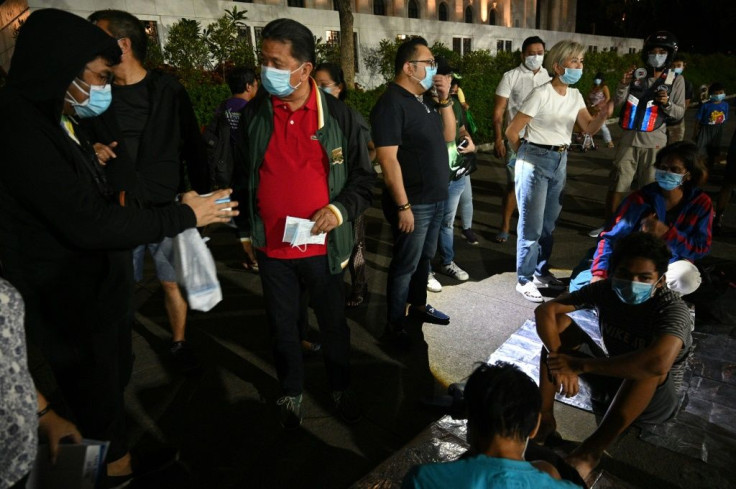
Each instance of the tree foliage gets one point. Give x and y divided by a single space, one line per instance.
186 48
227 42
327 52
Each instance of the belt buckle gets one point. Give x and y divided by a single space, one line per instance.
562 149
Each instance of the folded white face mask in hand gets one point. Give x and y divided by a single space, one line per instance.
298 233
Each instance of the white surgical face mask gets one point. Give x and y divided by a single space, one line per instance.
656 60
534 62
298 233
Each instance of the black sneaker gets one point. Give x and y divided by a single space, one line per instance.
470 236
347 405
291 412
184 358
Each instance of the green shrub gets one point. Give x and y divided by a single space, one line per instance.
205 96
363 101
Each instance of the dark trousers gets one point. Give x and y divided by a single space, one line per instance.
283 284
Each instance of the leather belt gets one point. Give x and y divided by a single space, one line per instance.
559 149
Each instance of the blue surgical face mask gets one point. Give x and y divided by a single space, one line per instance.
278 82
597 81
678 71
427 81
98 99
632 292
668 180
656 60
717 97
571 76
327 90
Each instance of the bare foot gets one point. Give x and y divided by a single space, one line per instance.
547 426
583 462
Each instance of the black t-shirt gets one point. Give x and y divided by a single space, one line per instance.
130 104
401 119
626 328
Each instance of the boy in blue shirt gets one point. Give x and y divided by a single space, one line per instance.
711 118
503 414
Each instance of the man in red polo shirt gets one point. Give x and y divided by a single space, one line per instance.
304 158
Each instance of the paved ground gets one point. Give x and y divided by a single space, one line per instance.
225 421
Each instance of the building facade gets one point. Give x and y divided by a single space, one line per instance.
464 25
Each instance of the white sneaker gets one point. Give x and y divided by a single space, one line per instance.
433 284
548 281
529 291
454 271
595 232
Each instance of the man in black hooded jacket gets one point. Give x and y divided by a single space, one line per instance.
62 238
148 140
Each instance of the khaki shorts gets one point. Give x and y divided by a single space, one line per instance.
632 162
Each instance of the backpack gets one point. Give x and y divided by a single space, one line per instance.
220 160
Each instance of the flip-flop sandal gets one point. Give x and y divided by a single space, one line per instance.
501 237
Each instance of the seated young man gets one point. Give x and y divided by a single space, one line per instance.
646 330
503 414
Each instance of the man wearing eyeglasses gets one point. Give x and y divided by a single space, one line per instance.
412 122
146 140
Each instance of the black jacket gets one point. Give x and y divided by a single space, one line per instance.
171 151
62 240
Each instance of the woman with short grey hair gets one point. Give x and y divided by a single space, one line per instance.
546 117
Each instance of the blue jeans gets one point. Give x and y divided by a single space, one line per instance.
163 257
466 205
539 182
454 192
412 252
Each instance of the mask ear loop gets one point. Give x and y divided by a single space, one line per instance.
299 247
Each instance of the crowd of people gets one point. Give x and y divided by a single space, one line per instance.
104 161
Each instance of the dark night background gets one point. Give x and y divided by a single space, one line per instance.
701 26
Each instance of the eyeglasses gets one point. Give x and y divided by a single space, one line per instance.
429 62
106 78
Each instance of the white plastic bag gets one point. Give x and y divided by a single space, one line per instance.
195 270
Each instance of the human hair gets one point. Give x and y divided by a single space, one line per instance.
560 52
679 58
406 52
687 152
291 31
641 245
239 78
124 25
532 40
716 87
336 75
501 400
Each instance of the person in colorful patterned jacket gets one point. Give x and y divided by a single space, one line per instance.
673 208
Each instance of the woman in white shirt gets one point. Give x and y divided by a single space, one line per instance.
547 116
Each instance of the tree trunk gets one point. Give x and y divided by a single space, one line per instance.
347 48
